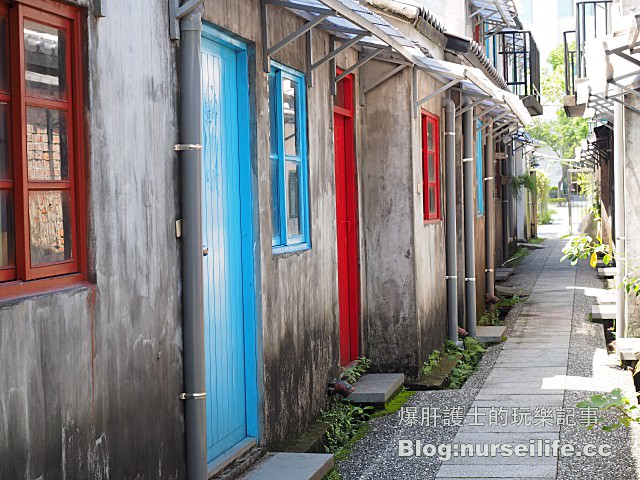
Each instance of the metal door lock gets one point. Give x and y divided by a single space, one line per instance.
205 250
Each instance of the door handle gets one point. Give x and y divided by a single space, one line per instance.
205 250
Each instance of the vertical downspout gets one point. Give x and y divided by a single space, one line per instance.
619 214
469 219
490 219
451 229
192 295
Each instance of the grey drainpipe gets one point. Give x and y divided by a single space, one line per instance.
469 219
451 229
489 228
619 214
190 149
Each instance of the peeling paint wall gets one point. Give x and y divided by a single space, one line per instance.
90 376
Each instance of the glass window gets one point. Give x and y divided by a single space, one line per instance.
39 112
289 190
47 157
431 166
44 58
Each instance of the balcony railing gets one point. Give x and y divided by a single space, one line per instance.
593 20
570 62
517 57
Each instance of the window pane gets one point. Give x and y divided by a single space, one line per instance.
4 62
431 144
44 58
431 161
47 156
7 239
275 200
273 123
433 205
5 159
293 199
289 97
50 226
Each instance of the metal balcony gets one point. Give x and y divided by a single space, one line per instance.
593 20
517 57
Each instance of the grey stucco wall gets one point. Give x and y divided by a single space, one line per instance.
632 213
405 315
90 376
429 238
387 192
299 293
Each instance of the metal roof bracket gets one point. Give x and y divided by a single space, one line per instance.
468 107
417 103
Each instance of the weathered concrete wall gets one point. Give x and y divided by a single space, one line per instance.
90 376
387 210
299 290
632 213
429 239
405 313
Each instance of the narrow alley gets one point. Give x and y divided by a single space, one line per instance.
525 391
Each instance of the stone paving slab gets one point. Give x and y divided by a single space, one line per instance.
292 466
515 400
497 471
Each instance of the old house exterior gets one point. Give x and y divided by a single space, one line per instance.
173 273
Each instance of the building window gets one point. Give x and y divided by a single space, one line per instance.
41 143
479 171
431 166
289 169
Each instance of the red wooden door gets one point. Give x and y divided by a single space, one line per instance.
347 221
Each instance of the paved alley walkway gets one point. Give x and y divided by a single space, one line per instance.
519 399
553 358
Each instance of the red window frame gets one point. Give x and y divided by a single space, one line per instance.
427 182
23 277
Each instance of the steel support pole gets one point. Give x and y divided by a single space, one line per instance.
489 227
451 229
469 219
619 215
192 297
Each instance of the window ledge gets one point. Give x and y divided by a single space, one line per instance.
432 221
290 248
14 292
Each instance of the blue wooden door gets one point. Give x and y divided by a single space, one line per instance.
227 268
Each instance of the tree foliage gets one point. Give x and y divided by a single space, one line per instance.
563 134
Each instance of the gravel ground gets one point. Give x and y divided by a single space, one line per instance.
375 457
588 358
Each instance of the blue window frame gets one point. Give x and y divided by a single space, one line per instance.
289 165
479 171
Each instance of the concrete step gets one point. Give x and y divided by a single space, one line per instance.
510 291
291 466
437 377
603 312
531 246
376 387
607 272
489 334
503 274
601 264
606 298
628 348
